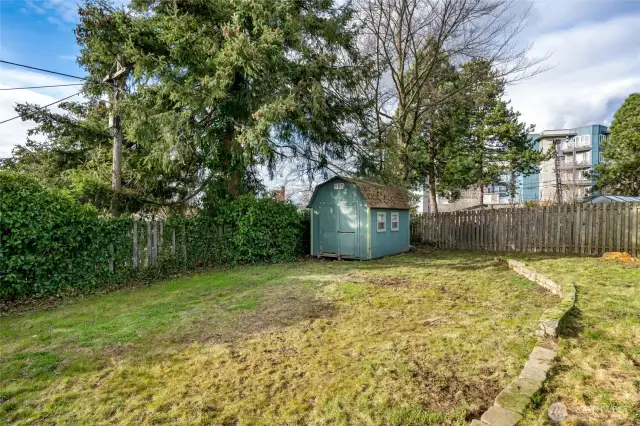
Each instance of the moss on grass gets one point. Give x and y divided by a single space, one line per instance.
412 339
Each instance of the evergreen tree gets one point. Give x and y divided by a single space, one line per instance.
498 141
214 89
619 172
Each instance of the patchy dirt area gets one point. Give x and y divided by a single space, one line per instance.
418 339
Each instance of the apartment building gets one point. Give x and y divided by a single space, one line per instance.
577 151
567 174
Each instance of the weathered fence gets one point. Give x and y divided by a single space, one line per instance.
147 242
590 229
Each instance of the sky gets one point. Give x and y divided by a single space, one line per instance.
594 64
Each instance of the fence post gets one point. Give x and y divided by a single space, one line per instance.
149 244
634 231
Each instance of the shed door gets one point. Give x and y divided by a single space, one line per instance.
328 229
339 225
348 229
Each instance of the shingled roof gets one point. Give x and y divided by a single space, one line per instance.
376 196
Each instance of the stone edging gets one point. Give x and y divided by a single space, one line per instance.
513 400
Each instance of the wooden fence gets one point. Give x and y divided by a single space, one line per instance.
590 229
148 241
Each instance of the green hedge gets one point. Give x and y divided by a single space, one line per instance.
50 245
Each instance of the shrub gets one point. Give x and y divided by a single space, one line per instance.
48 241
50 244
259 230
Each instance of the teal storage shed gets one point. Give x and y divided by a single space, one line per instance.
356 219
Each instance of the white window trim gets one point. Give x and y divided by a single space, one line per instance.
384 221
398 221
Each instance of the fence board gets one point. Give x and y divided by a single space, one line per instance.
588 230
634 232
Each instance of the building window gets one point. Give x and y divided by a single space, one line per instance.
395 221
382 222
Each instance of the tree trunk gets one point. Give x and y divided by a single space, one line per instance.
116 168
433 201
481 194
232 178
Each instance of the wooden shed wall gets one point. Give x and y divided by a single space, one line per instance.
327 195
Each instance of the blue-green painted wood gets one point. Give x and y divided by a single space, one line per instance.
339 221
342 224
389 242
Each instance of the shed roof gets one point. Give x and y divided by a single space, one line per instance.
615 199
375 195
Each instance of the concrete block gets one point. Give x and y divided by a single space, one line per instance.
526 386
497 416
532 373
543 353
550 327
477 423
540 364
513 400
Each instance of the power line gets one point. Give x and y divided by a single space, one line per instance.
42 69
45 106
43 87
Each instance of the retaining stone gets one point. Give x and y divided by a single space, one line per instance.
514 399
543 353
526 387
496 416
532 373
550 327
511 399
540 364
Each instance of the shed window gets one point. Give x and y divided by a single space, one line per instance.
382 222
395 221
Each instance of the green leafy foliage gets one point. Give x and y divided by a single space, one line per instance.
52 245
619 173
259 230
50 241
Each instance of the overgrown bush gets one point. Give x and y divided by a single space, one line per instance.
259 230
47 240
49 244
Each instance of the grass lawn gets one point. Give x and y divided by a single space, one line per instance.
429 338
598 377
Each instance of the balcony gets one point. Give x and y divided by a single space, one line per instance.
574 146
579 181
574 164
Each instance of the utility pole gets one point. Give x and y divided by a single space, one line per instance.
559 156
117 79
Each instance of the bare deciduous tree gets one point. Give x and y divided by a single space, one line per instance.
405 39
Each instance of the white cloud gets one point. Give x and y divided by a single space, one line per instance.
595 66
65 11
15 132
